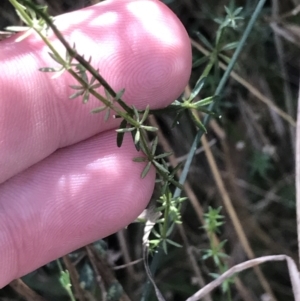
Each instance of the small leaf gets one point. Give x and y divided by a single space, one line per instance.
154 145
204 102
137 145
49 69
17 28
237 11
107 114
204 40
149 128
175 244
146 170
145 115
164 246
198 123
164 155
170 230
228 12
120 136
55 58
230 46
140 159
119 94
199 85
160 167
177 184
76 87
76 95
125 130
99 109
201 61
137 137
136 113
86 97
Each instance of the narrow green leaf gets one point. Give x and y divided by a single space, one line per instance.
177 184
125 130
164 155
76 87
49 69
140 159
230 46
86 97
238 11
99 109
119 94
204 40
55 58
120 136
154 145
137 136
200 62
164 246
204 102
149 128
17 28
95 86
107 114
136 113
170 230
146 170
175 244
76 94
198 123
160 167
199 85
145 115
228 12
137 145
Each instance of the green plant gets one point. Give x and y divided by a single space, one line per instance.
134 122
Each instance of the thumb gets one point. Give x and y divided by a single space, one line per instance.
139 45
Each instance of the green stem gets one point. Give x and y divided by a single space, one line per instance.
157 257
68 289
72 52
166 214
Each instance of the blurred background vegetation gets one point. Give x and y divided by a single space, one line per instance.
253 146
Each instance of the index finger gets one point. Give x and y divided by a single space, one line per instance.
139 45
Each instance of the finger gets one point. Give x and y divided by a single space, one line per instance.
137 45
74 197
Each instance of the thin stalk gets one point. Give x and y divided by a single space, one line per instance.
166 214
158 256
72 52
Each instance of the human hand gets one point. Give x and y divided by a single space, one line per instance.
64 182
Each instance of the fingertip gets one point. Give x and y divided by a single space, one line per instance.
139 45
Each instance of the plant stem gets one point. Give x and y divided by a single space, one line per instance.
157 257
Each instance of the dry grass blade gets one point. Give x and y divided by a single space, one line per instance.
294 275
105 272
290 32
79 291
25 291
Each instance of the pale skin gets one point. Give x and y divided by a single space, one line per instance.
64 182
